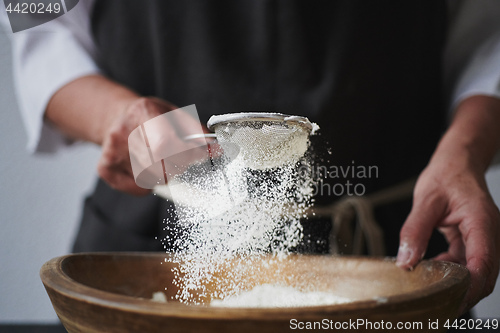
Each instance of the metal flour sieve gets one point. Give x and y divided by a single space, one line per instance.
264 140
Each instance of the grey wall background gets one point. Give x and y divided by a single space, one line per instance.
40 202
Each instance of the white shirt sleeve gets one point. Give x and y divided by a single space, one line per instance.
44 59
472 53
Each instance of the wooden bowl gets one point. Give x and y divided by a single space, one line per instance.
111 292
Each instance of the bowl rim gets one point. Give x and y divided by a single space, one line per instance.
53 277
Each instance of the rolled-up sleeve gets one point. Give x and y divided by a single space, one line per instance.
482 75
472 53
44 59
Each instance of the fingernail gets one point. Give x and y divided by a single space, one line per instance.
404 256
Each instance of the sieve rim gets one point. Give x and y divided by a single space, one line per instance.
217 120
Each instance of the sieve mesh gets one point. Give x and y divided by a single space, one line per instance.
265 140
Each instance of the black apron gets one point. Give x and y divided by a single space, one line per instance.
368 72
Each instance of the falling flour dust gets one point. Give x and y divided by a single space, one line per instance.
250 207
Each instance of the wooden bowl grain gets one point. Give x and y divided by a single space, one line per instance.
111 292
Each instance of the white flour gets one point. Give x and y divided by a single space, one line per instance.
267 146
159 297
255 208
271 296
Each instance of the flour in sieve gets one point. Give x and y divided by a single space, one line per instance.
267 145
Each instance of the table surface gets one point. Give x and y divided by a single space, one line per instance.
32 329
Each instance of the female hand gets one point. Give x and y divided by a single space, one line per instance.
451 195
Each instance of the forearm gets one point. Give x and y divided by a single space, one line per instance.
85 108
473 137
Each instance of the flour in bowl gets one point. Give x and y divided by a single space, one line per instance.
273 296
